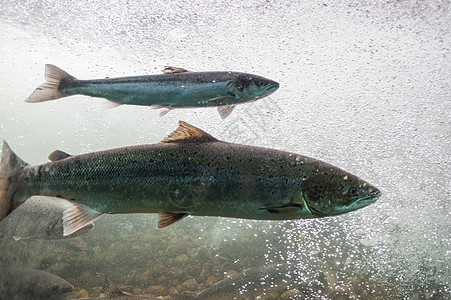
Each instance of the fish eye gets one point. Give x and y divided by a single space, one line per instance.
54 288
353 191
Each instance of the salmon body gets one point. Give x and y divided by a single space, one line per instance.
188 173
177 88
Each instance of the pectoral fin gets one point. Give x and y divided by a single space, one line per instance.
219 98
225 111
166 218
286 210
77 216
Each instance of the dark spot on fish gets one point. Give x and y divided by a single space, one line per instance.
318 192
272 211
171 154
59 196
353 191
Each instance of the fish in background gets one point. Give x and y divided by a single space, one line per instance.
188 173
176 88
111 291
25 284
244 284
39 217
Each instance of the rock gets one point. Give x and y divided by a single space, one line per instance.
211 280
182 259
291 294
189 285
80 294
231 273
157 290
173 291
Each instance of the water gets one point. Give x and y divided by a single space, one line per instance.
364 86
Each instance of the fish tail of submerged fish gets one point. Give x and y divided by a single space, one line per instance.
10 192
50 89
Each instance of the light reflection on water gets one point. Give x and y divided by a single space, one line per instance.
363 86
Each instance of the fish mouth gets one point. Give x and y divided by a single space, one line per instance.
272 87
371 198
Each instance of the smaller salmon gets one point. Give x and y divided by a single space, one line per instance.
176 88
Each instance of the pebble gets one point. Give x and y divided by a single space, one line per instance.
291 294
189 285
157 290
182 259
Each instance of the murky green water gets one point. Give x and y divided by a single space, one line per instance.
364 86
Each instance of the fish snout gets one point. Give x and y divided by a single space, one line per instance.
374 193
272 86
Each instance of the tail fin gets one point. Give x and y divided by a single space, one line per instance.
49 90
9 164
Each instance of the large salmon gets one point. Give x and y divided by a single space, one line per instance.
188 173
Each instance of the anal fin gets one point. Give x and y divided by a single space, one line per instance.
77 216
167 218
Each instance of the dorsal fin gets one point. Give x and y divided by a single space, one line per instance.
57 155
110 290
172 70
188 133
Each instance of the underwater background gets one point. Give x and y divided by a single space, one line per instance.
364 85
